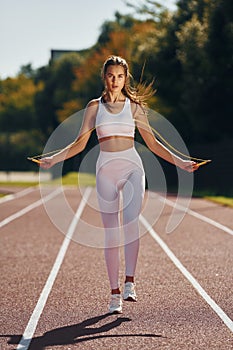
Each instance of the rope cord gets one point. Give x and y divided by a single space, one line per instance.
37 158
172 147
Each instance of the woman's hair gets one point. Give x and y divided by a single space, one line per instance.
138 94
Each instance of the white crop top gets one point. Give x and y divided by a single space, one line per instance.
111 124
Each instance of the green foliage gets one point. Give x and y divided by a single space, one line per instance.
187 52
205 52
17 110
57 79
15 147
194 61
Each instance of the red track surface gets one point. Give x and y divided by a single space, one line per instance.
170 313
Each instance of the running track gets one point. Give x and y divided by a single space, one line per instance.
54 292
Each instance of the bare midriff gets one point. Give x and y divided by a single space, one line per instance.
116 143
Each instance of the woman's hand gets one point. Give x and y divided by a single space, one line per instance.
47 162
189 165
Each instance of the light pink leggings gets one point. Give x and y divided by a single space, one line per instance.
120 172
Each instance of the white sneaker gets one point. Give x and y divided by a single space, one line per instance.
129 292
115 306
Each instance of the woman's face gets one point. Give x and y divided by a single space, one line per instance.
115 79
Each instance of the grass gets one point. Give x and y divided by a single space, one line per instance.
18 183
212 196
85 179
74 179
70 179
221 200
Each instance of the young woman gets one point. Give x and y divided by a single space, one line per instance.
119 168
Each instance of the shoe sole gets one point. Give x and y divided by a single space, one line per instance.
130 299
115 312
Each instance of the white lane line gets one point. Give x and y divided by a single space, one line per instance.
30 207
228 322
32 324
16 195
197 215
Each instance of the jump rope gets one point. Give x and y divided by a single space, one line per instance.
37 159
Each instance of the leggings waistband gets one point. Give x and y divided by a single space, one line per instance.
130 155
124 153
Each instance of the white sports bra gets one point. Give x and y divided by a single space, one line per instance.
111 124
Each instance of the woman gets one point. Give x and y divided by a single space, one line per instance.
119 168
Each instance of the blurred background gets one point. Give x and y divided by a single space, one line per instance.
52 53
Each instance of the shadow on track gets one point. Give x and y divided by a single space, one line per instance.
77 333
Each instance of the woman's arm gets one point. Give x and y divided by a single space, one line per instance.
157 147
79 144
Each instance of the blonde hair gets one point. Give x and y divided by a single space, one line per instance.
138 94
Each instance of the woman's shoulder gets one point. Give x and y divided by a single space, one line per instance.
92 108
135 106
93 103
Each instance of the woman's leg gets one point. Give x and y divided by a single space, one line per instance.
133 194
111 251
109 206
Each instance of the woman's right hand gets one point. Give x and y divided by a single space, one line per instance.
47 162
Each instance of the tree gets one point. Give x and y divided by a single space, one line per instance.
205 53
17 110
57 78
218 95
192 56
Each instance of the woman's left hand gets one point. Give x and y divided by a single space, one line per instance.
189 165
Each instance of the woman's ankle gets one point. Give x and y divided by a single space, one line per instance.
116 291
129 279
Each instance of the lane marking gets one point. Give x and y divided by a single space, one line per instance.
16 195
30 207
228 322
32 324
197 215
